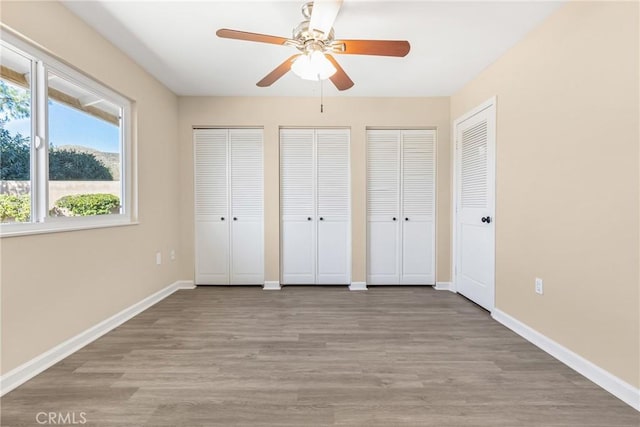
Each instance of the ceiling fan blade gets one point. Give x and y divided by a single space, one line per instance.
372 47
323 15
340 78
251 37
278 72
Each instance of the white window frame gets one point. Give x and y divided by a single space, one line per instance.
41 63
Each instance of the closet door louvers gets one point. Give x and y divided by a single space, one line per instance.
383 207
211 206
229 206
315 206
400 206
418 205
333 206
247 241
297 206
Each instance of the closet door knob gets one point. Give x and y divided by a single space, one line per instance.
486 219
406 219
309 218
235 219
321 219
221 218
394 218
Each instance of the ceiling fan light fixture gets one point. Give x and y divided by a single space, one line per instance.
313 66
314 38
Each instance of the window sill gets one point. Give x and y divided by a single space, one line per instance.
17 230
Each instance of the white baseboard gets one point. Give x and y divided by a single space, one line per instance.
358 286
445 286
38 364
271 285
614 385
185 284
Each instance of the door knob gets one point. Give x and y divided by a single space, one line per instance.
235 219
309 218
394 218
406 219
221 218
321 219
486 219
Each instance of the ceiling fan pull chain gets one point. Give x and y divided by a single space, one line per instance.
321 96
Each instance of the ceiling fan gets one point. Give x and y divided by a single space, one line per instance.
314 38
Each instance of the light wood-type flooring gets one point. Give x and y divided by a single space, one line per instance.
315 356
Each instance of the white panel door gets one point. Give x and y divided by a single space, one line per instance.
333 207
475 184
247 241
383 207
211 207
297 206
418 207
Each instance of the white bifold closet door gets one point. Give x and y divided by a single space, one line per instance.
229 206
401 207
315 206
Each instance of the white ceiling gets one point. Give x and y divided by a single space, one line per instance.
451 42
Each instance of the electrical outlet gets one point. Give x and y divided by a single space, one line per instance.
158 258
539 286
172 254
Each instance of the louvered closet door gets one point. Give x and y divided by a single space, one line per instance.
211 207
333 207
418 207
247 244
383 207
475 181
297 206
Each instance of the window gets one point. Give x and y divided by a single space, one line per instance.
65 144
15 137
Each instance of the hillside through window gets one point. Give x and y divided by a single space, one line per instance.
84 151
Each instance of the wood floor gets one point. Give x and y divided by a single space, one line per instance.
315 356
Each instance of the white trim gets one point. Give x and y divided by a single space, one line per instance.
489 103
271 285
38 364
184 284
483 106
79 223
358 286
614 385
445 286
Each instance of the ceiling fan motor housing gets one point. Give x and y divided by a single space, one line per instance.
308 40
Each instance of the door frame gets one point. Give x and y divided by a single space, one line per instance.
489 103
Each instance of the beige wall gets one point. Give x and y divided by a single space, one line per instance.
55 286
355 113
567 180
